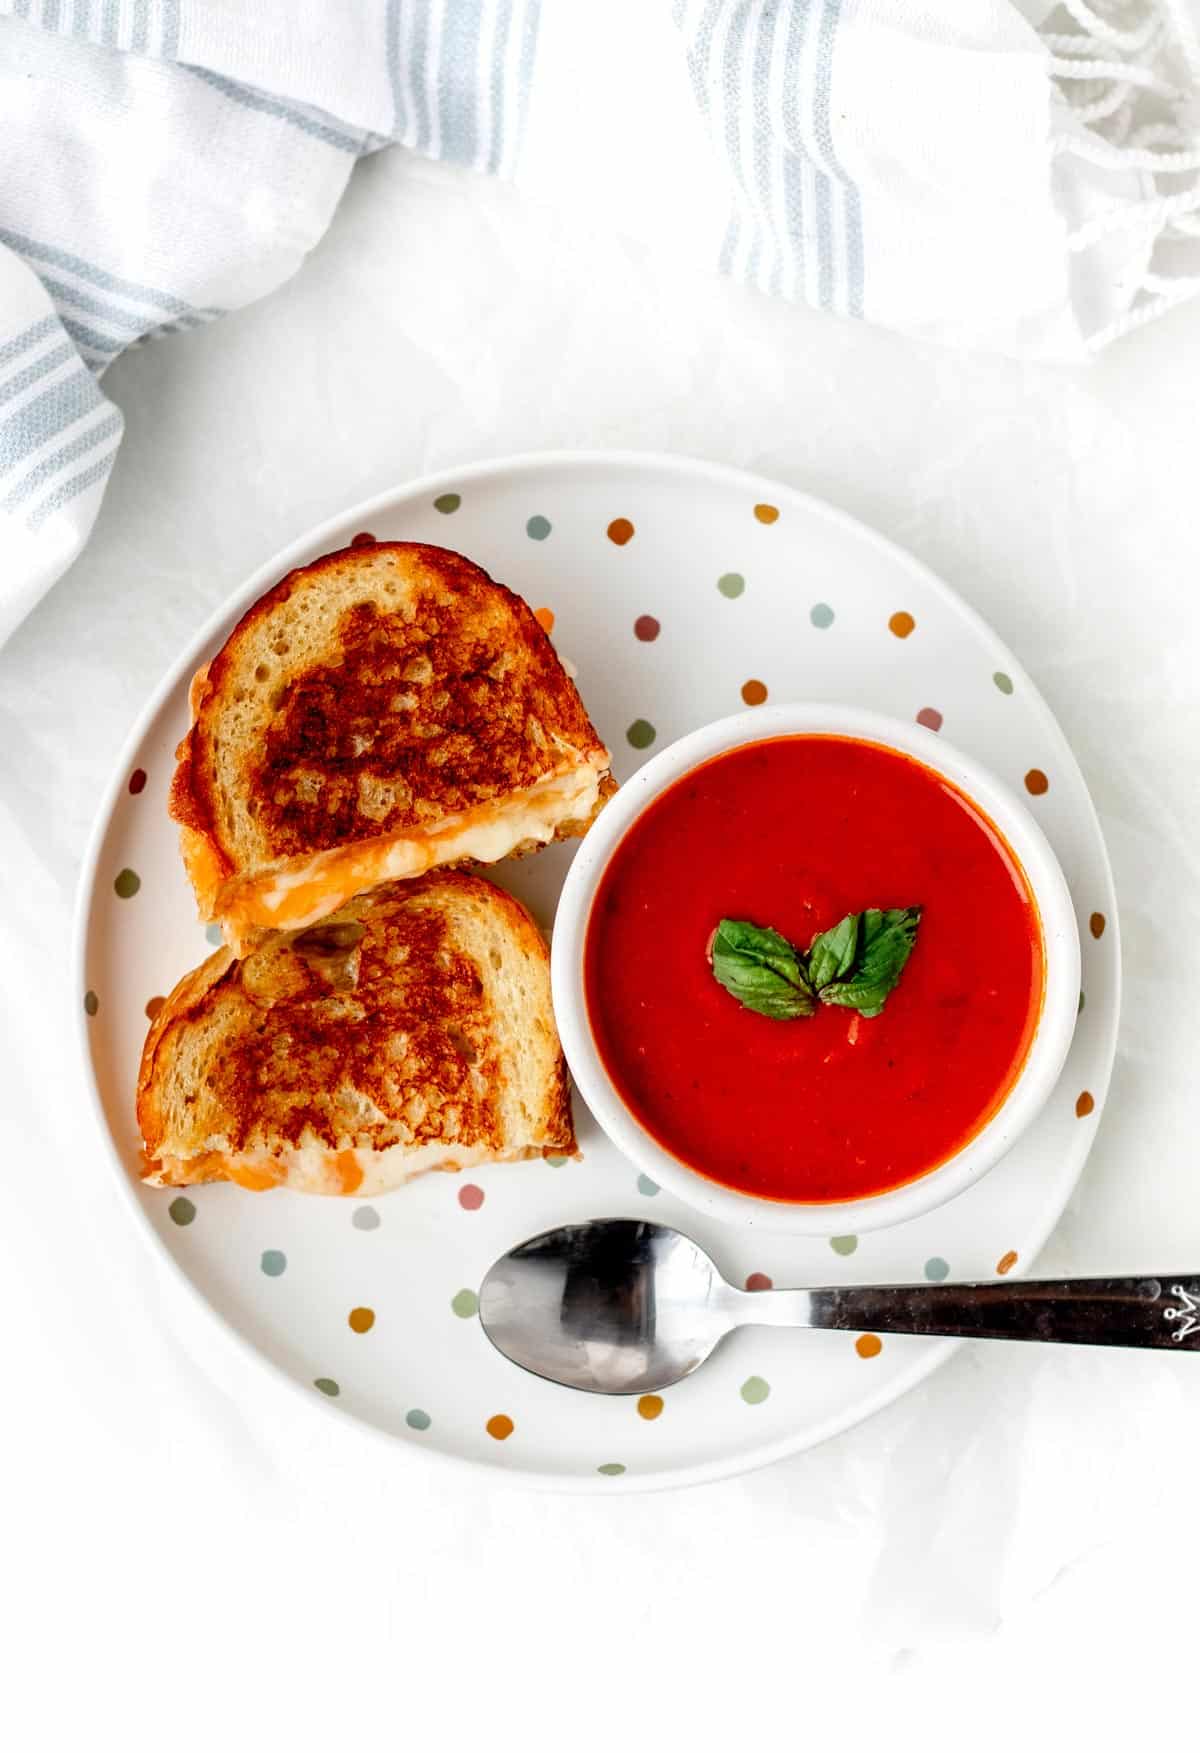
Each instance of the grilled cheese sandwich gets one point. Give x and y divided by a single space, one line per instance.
384 711
410 1032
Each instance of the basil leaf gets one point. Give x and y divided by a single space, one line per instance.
759 968
833 952
885 943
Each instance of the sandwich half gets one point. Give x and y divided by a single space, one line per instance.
383 711
411 1030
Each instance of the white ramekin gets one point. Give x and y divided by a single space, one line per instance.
1046 1055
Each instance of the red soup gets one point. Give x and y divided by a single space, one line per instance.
795 833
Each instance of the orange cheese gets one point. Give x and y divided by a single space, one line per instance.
306 890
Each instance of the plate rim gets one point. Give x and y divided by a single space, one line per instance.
275 567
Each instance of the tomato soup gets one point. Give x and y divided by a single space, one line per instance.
794 833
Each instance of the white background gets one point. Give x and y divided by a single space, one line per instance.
191 1557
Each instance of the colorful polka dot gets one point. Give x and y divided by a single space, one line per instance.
936 1269
361 1320
416 1419
647 629
620 531
754 692
556 1162
365 1217
181 1211
544 619
731 585
91 1003
447 502
650 1406
213 933
153 1006
901 624
137 781
1036 783
500 1426
273 1262
1096 925
766 513
364 539
930 717
327 1385
868 1345
464 1303
1006 1262
821 615
843 1244
759 1281
611 1469
470 1197
1003 682
647 1186
754 1390
1085 1104
538 528
127 883
641 733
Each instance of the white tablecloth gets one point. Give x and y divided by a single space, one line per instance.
195 1558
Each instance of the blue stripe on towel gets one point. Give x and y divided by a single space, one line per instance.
42 367
530 19
852 246
47 415
306 120
108 313
57 462
33 250
86 337
395 72
69 490
769 171
170 29
12 349
419 131
500 40
460 81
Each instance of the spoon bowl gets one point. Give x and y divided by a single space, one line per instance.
618 1306
623 1306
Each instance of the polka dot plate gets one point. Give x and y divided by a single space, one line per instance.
677 592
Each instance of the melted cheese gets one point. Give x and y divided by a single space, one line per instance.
295 898
311 1169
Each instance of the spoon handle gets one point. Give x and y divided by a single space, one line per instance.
1156 1312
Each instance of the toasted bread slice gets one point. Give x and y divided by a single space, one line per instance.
411 1030
380 712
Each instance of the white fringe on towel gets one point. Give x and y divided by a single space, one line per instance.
1127 74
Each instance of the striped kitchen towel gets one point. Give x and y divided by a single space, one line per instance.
1022 175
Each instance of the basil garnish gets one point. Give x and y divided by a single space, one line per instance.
761 969
833 952
884 943
856 963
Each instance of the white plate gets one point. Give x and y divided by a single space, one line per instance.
728 588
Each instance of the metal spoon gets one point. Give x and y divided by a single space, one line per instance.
619 1306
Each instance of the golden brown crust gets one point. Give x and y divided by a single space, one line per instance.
377 692
187 997
417 1016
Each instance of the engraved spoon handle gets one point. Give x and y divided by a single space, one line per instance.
1157 1312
